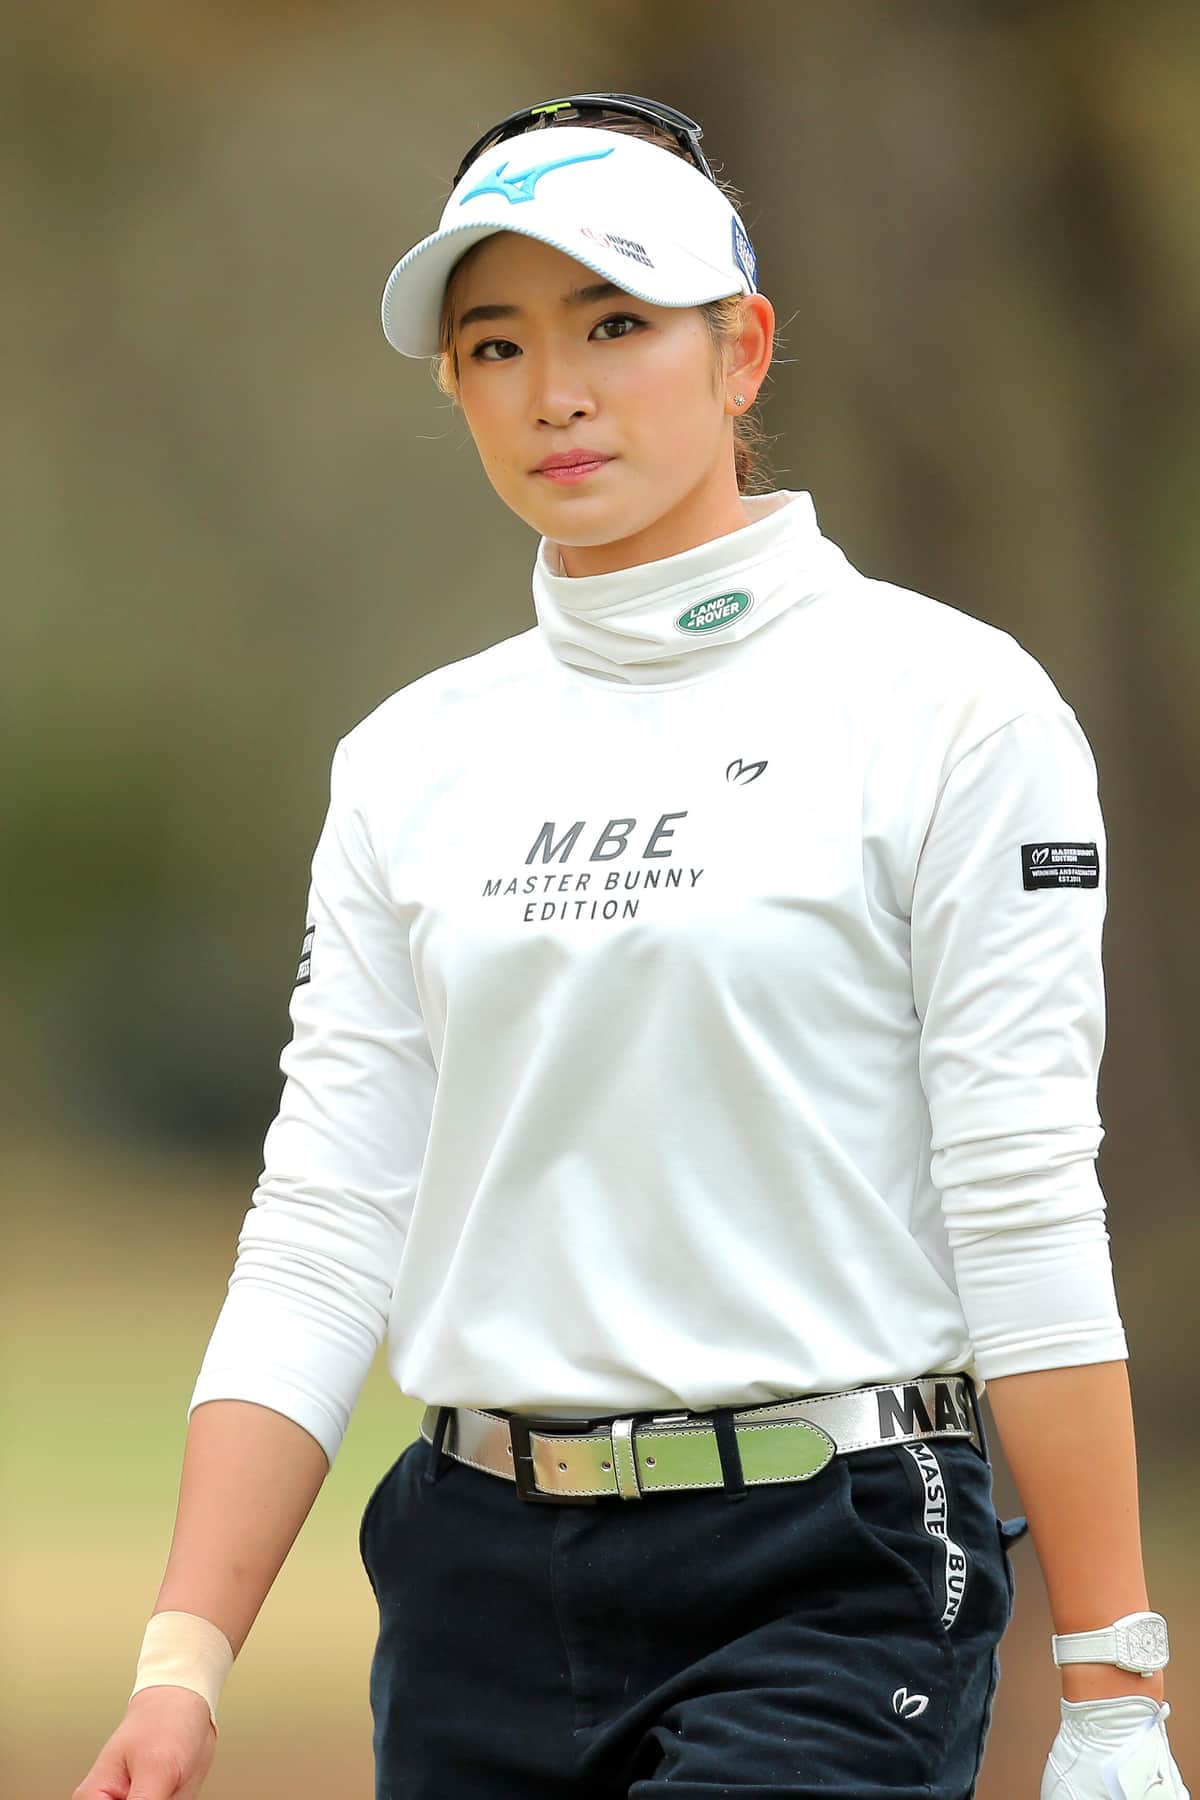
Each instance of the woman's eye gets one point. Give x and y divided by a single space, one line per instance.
619 325
478 353
620 319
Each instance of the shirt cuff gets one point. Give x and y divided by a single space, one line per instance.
1040 1297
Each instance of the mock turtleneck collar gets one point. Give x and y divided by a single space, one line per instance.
648 625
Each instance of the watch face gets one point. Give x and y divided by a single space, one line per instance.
1144 1645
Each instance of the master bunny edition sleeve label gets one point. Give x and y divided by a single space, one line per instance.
1060 866
304 969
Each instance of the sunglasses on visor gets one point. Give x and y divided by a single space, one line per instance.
686 132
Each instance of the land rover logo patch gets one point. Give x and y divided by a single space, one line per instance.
712 615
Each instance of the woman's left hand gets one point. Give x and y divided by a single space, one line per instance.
1112 1750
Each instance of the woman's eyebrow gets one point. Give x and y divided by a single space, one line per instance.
596 290
582 296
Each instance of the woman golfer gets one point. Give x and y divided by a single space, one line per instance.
694 1078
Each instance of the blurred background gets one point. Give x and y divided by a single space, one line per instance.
235 520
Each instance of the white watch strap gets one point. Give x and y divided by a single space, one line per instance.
1086 1647
1137 1642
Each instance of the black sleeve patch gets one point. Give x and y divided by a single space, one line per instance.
304 972
1060 866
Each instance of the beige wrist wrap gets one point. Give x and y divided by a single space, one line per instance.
181 1649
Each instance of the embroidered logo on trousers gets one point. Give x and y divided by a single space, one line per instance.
908 1706
937 1524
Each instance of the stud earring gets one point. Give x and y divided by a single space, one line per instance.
739 399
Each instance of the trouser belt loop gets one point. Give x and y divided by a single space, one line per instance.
977 1417
732 1473
441 1460
624 1459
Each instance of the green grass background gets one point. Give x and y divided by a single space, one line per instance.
117 1272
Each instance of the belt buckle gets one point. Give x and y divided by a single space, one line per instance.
519 1427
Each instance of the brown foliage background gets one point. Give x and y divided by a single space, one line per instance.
236 520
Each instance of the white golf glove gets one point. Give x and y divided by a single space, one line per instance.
1112 1750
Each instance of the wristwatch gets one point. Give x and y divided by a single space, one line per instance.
1138 1642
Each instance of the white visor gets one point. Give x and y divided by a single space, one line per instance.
638 215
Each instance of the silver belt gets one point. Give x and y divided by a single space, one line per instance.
626 1458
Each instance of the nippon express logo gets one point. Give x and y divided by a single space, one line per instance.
714 614
624 246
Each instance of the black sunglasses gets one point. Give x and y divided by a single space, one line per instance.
686 132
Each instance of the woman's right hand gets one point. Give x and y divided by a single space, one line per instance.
162 1750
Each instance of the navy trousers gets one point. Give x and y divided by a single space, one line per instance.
835 1637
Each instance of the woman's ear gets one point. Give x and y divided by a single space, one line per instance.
750 355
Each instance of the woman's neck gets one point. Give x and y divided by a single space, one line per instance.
699 517
681 618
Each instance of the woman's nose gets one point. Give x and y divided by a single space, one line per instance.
560 399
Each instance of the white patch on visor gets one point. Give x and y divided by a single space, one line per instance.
937 1524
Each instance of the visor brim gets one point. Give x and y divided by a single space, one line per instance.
412 296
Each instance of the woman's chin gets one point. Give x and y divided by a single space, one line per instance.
583 525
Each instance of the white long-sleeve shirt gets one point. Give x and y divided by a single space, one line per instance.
701 1004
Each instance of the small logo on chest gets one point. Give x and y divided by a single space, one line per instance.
742 773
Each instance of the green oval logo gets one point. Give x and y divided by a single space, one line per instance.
714 614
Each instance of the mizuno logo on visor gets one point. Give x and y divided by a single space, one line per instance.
516 188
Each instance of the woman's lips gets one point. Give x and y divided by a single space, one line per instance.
566 474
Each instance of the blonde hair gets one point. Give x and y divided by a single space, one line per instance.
723 318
